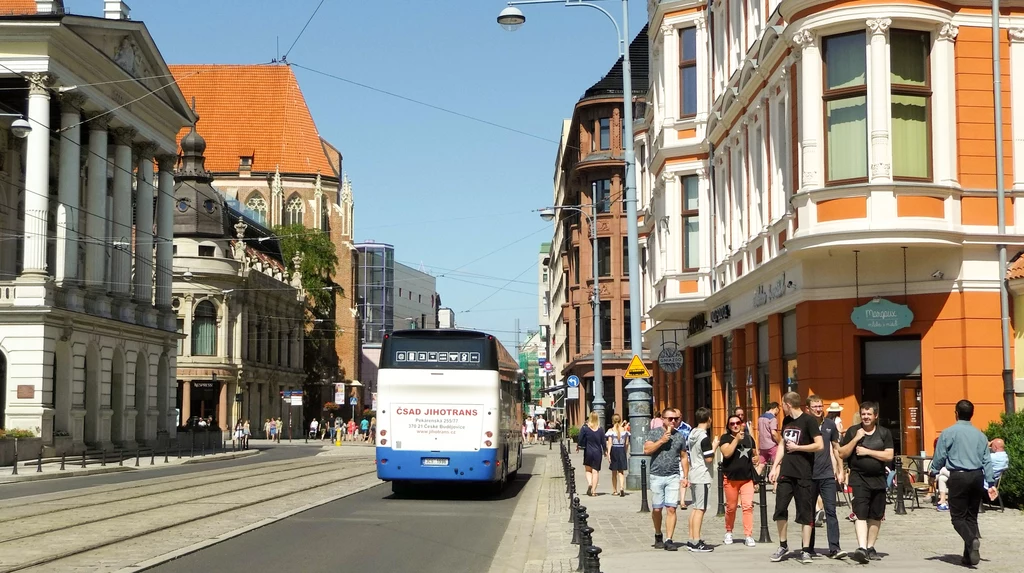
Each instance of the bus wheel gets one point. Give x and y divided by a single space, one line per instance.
401 488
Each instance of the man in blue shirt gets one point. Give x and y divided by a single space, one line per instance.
963 450
1000 459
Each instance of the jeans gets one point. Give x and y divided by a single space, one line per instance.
965 495
744 491
827 489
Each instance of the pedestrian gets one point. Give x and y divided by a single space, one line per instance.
272 429
373 430
314 428
868 447
828 469
963 450
768 434
280 429
700 453
683 428
245 435
1000 459
665 464
364 429
791 473
742 415
530 429
237 435
540 425
738 447
834 413
592 441
351 430
618 448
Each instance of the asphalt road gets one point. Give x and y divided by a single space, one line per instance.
436 530
268 453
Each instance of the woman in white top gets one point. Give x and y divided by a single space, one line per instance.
529 429
618 451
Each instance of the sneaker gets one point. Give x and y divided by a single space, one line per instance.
671 545
805 557
819 518
942 507
701 547
975 554
860 555
873 555
659 542
728 538
749 542
779 554
837 554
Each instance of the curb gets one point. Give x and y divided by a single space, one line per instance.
66 474
221 457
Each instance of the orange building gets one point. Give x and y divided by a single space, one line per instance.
822 209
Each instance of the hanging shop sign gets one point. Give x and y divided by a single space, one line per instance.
697 324
767 293
721 314
670 359
882 317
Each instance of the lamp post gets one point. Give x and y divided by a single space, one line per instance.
548 214
639 390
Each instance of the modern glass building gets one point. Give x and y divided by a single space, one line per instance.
375 286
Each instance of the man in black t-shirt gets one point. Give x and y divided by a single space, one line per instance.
869 448
792 471
827 470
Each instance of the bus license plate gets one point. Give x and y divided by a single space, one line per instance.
435 461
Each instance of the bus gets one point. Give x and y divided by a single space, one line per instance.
449 409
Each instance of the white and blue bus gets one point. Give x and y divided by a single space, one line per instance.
449 409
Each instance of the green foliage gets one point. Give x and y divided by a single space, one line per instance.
16 433
319 258
1010 428
574 432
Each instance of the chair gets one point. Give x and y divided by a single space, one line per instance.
902 486
996 503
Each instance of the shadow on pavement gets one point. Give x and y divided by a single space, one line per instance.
462 491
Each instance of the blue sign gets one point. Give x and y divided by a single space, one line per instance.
573 381
353 401
882 317
286 393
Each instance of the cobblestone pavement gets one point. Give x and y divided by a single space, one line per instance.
119 527
923 540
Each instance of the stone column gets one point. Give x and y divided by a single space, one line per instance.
810 98
878 95
165 236
121 235
670 73
69 183
143 283
96 208
186 347
37 177
703 70
945 37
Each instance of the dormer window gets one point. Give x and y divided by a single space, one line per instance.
245 163
207 251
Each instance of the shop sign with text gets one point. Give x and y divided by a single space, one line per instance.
721 314
882 317
767 293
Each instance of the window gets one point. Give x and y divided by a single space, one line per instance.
207 251
602 189
606 324
691 223
181 331
547 303
754 147
911 96
625 256
576 265
687 72
204 329
605 132
781 189
577 337
604 256
174 250
846 106
293 211
627 331
245 163
257 206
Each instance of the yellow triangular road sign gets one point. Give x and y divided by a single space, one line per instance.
636 369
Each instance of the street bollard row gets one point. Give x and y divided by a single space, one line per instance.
644 507
721 491
588 559
762 480
899 485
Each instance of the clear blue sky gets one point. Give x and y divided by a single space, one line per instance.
449 193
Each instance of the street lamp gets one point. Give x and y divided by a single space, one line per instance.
20 127
638 391
548 214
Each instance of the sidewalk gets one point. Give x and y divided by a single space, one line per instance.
923 540
73 465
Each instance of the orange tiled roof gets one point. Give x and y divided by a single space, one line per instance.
17 7
253 110
1016 270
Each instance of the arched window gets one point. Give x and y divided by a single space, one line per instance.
204 330
293 211
258 207
325 217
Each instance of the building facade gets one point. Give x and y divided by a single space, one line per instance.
270 162
240 309
821 206
87 353
591 172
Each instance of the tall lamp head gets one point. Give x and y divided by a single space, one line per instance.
511 18
547 214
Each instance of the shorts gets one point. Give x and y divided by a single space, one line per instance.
665 491
802 490
766 456
868 504
699 493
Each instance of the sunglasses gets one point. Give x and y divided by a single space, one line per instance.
735 423
671 419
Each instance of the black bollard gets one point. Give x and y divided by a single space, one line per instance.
581 519
721 491
166 461
573 506
15 472
136 458
572 481
586 540
766 536
83 460
202 448
103 459
592 563
898 485
39 462
192 445
120 457
152 457
62 461
644 506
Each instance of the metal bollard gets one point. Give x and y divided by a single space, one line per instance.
644 506
166 461
586 540
179 450
721 492
581 519
15 472
592 563
83 460
152 457
572 481
766 536
103 459
202 448
62 461
120 457
136 458
573 507
39 462
898 485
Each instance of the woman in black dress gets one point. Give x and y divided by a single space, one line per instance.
618 446
592 441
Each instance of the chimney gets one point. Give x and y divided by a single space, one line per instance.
45 6
115 10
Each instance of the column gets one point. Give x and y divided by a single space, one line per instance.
703 70
810 108
878 97
122 215
143 284
670 72
186 347
37 177
69 182
945 37
96 205
165 234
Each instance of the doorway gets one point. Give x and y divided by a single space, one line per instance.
892 378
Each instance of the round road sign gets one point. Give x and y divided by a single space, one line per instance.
548 367
573 381
670 359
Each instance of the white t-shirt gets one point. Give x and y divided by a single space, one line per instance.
529 426
540 424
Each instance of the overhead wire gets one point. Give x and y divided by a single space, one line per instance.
284 58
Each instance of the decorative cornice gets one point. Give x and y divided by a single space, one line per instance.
803 39
166 161
71 102
98 121
1016 34
878 25
145 149
40 83
123 135
667 30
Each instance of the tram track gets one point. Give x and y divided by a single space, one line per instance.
34 549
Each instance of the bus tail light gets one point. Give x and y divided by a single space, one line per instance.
383 442
383 461
487 462
383 433
487 443
489 434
